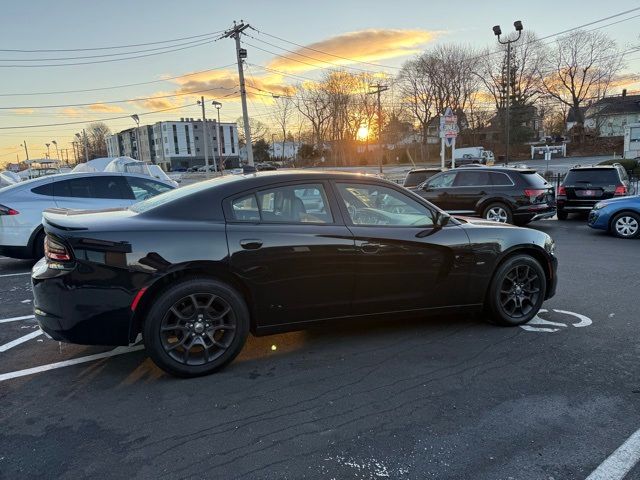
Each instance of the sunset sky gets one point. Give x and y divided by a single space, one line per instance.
384 33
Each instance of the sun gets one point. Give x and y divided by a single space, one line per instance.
363 132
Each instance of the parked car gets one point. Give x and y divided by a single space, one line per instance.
265 166
501 194
619 216
194 281
583 187
467 159
21 205
416 176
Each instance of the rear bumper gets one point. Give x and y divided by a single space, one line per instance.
82 305
534 212
576 206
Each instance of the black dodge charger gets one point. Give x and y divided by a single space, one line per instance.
196 269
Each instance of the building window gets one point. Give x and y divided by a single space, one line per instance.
165 140
195 126
164 127
196 138
167 150
175 139
222 139
186 133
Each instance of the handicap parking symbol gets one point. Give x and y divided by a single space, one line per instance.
537 324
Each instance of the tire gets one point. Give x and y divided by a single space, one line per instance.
626 225
199 309
498 212
562 215
516 292
38 246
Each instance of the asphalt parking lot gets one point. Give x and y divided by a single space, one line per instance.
444 397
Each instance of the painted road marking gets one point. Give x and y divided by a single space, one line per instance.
14 274
67 363
16 319
18 341
542 325
620 462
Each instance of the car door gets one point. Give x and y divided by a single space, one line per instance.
438 189
470 186
92 192
405 261
289 244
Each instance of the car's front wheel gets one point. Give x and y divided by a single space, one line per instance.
517 291
626 225
196 327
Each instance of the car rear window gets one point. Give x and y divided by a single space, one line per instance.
606 176
534 179
416 178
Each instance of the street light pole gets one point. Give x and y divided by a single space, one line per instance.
206 140
218 106
47 144
57 151
26 151
497 32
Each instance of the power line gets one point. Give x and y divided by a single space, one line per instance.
107 61
118 86
94 120
119 54
115 101
110 47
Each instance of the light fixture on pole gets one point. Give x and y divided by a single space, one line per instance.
497 31
57 151
47 144
136 119
218 106
26 151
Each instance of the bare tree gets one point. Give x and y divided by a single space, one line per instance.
259 130
282 115
313 104
417 93
97 139
580 67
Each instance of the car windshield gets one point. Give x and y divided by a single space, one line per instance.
605 176
416 178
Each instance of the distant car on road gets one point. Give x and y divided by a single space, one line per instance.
583 187
22 204
265 166
467 159
416 176
619 216
501 194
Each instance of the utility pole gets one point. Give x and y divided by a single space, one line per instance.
241 54
206 140
26 151
378 90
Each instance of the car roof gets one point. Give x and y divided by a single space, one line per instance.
425 169
497 169
595 167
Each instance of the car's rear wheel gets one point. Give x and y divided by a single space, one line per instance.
626 225
498 212
38 246
196 327
562 215
517 291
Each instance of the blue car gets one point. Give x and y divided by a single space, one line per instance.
619 216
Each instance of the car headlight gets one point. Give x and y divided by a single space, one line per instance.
550 246
599 205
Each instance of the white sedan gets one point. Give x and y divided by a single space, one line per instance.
22 204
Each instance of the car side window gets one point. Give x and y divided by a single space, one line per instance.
471 178
92 187
46 189
442 181
372 205
287 204
143 188
500 179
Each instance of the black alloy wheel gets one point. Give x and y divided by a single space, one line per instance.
196 327
517 291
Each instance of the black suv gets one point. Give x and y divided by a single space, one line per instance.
501 194
583 187
416 176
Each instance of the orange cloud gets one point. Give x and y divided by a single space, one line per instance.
160 103
103 107
364 45
71 112
23 111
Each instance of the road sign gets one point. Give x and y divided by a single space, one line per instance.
449 126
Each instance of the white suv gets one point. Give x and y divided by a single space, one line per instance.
21 205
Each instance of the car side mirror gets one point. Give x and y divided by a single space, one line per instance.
442 219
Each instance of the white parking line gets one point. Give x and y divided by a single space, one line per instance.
16 319
18 341
67 363
15 274
620 462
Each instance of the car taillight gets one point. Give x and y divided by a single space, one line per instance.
54 250
620 190
8 211
533 192
562 190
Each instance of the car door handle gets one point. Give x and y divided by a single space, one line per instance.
251 244
370 248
